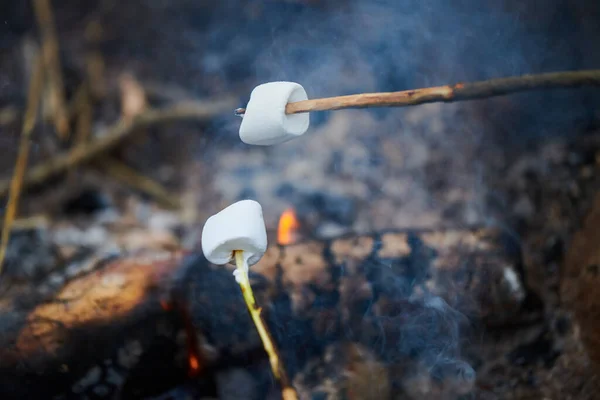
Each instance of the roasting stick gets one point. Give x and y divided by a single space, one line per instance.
288 393
244 282
238 233
446 93
34 95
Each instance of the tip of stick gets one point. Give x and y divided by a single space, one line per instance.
239 112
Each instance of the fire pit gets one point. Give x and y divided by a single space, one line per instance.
441 251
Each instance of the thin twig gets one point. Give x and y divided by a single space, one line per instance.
50 51
94 61
277 367
14 186
83 107
137 181
447 93
80 110
29 223
82 153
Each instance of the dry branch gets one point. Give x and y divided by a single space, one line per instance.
277 366
447 93
137 181
14 186
83 110
82 153
50 51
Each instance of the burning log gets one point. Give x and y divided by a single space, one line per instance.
90 337
138 327
477 264
403 297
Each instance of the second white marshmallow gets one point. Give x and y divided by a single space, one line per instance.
265 122
238 227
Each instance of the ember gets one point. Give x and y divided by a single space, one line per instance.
194 364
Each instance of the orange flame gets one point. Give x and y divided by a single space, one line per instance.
194 364
288 225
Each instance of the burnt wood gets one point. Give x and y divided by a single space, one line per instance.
129 328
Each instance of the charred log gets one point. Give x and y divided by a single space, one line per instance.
138 327
400 300
91 338
580 280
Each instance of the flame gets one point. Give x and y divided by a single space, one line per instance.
194 364
288 225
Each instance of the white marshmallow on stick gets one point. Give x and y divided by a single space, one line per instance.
265 122
239 227
238 233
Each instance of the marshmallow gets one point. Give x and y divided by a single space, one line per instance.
265 122
237 227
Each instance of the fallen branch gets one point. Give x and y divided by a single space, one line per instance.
137 181
50 51
82 153
447 93
14 186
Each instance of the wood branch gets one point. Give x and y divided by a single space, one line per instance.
354 288
84 113
111 165
50 49
115 135
447 93
29 120
131 178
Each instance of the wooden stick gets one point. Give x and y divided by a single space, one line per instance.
50 50
15 185
131 178
447 93
85 152
288 392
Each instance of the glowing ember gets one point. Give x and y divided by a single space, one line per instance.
165 305
288 225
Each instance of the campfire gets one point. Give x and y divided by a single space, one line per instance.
351 235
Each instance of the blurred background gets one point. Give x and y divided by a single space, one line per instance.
165 52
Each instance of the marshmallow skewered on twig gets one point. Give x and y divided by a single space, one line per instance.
238 234
266 121
269 103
